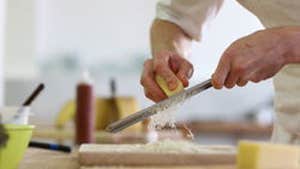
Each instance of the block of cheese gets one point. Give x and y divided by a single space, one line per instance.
257 155
164 86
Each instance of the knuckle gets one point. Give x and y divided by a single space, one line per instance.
182 75
142 81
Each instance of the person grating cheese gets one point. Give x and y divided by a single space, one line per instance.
271 52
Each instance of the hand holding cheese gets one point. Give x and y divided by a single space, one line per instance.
165 74
169 46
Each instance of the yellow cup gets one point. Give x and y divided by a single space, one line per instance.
12 153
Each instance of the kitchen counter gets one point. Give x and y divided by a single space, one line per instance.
43 159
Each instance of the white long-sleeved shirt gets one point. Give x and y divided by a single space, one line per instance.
191 15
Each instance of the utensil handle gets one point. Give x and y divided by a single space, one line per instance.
35 93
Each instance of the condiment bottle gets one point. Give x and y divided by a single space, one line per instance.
85 110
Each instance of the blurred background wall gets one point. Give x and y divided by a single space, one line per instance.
2 42
54 40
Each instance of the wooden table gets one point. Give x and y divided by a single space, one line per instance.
43 159
237 128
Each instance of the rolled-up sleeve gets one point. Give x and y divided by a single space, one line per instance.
190 15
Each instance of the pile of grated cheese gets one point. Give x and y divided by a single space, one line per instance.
165 146
171 146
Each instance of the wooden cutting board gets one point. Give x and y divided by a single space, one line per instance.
45 159
135 155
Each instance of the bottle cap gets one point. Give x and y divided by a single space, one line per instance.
86 77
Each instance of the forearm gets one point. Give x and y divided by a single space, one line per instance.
168 36
291 41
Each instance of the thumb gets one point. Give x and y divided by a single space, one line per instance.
185 73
